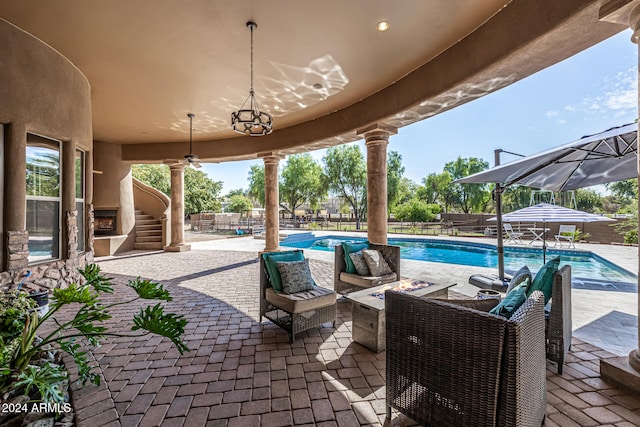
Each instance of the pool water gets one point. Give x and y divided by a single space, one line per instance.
585 266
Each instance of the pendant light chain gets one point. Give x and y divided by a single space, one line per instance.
251 121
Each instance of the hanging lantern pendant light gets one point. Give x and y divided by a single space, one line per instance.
251 121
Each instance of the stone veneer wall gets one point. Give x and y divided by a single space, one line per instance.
49 275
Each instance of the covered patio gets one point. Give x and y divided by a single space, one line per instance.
120 96
241 372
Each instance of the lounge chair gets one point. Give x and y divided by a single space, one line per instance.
566 232
512 236
296 312
344 282
557 313
454 364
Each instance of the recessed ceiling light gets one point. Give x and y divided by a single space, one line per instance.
317 86
383 25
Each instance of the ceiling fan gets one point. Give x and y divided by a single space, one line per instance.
191 159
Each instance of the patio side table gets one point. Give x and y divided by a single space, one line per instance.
368 325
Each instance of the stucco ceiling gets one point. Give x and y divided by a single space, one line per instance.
150 62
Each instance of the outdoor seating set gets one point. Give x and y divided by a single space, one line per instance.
565 232
448 362
478 362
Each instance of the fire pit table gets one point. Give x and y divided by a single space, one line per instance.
368 328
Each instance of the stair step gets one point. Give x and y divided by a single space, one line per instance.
147 221
138 211
148 239
148 232
147 246
148 227
143 216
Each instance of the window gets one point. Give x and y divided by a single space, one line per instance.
80 198
43 198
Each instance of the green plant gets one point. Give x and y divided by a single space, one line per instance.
82 332
14 308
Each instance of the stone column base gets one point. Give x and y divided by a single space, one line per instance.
618 370
177 248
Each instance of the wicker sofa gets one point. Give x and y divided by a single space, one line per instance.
451 365
297 312
558 328
344 282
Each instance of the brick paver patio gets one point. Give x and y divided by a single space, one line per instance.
241 372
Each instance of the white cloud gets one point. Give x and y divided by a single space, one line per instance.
619 97
551 113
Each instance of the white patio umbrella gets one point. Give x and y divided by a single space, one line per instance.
601 158
545 213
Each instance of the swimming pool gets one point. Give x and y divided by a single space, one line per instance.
585 266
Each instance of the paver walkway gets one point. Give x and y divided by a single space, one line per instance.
241 372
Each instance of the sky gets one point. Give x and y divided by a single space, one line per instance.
585 94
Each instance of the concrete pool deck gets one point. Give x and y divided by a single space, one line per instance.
605 318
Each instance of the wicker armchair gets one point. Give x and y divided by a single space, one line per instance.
298 312
451 365
558 329
391 255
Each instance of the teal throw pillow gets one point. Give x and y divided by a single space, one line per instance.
351 247
543 281
511 302
522 275
270 260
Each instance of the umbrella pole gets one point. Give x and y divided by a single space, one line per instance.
544 243
500 243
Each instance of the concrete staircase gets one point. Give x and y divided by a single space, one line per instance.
148 232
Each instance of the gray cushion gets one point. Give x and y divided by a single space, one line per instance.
359 263
368 281
301 302
521 275
376 263
295 275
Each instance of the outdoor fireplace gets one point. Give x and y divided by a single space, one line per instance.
105 222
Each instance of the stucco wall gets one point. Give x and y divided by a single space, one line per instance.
42 92
113 189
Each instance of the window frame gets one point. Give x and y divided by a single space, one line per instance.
39 141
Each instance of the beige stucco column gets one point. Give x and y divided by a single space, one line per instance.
624 370
177 208
271 202
376 139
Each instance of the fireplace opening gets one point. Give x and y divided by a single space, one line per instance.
105 222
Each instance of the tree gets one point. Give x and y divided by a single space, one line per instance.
515 197
238 192
407 190
588 200
256 183
201 193
156 176
395 172
627 189
300 182
416 211
437 188
239 203
469 197
346 174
